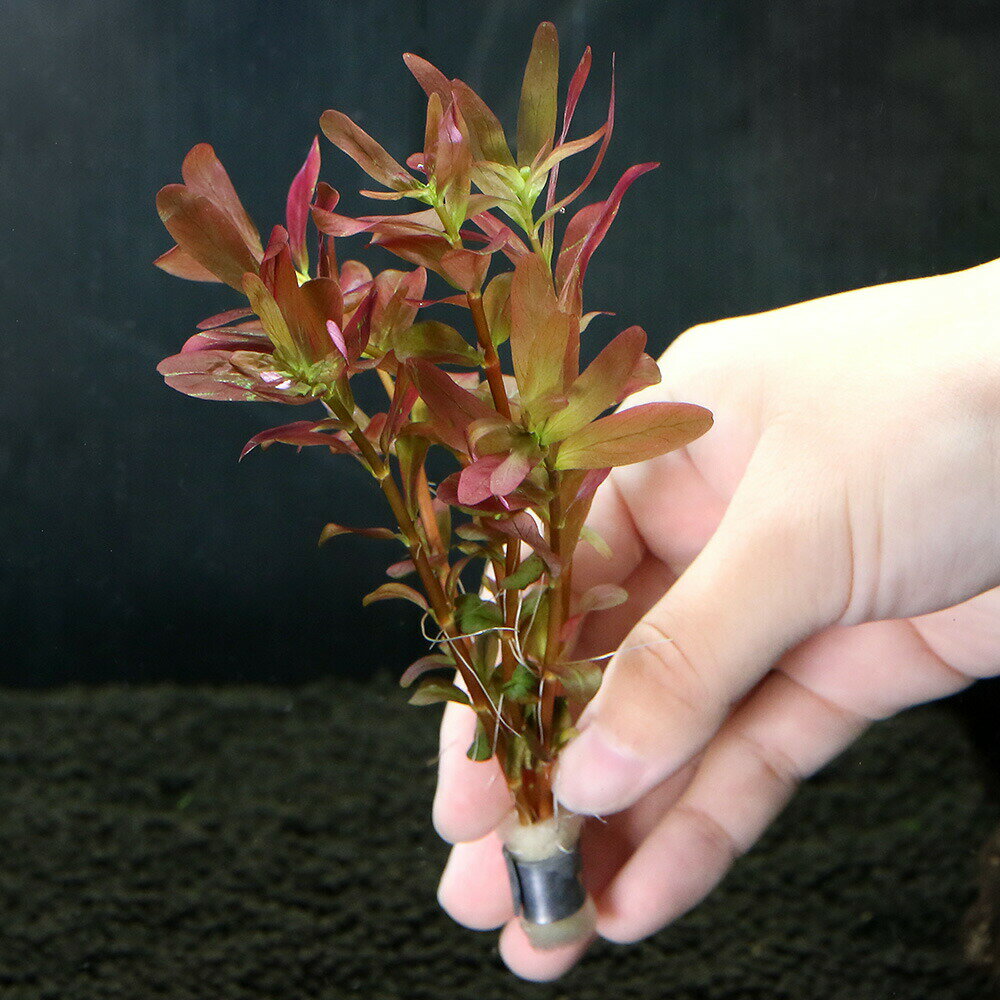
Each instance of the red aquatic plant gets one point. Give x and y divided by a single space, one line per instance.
529 447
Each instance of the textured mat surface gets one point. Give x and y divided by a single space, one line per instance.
267 844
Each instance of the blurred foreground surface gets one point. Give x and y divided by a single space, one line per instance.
256 844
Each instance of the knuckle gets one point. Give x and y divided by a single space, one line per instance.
665 676
711 845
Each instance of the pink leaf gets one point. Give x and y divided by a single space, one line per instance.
214 375
365 151
205 233
181 264
205 175
224 318
301 434
573 280
300 195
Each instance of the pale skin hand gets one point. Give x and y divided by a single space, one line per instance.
832 553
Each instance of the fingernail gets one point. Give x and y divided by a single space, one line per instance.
596 778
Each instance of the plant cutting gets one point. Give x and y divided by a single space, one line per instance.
486 550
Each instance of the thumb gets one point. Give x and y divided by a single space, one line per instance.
776 570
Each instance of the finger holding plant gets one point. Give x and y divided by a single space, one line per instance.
529 446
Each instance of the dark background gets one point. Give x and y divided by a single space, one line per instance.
807 147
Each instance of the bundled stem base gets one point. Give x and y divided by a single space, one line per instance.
543 862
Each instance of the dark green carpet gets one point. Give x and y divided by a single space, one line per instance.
274 844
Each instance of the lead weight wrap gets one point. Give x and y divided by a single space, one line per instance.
547 889
543 862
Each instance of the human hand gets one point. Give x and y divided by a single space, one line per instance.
827 555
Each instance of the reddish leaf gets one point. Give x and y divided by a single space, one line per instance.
453 163
404 397
229 339
332 530
512 471
447 492
600 387
326 201
633 435
465 269
567 149
400 569
181 264
206 233
205 175
522 525
389 591
425 250
214 375
451 408
577 230
428 76
300 195
539 334
224 318
301 434
536 116
354 276
432 131
570 290
305 308
365 151
552 207
434 661
475 480
514 248
485 131
396 302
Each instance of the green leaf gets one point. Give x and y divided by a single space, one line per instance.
528 572
270 316
522 686
601 597
536 116
481 747
634 435
485 131
389 591
433 690
580 680
475 614
496 305
595 541
436 342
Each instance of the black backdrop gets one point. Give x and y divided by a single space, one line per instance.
807 147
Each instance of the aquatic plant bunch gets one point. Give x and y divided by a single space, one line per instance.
488 550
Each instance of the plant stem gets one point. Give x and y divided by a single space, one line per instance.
557 614
432 585
494 376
